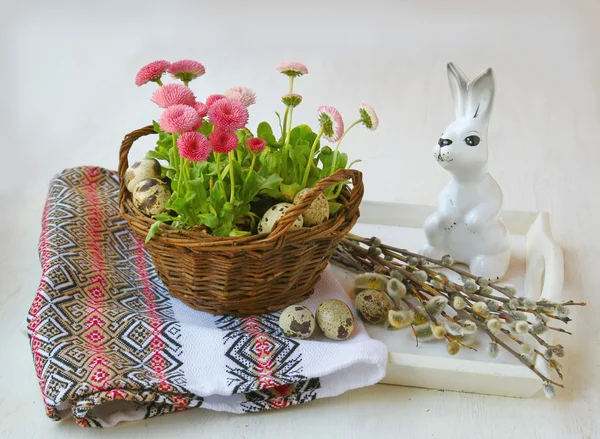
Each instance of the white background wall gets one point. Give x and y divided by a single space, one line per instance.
68 75
68 97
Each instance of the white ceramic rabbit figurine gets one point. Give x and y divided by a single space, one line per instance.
467 223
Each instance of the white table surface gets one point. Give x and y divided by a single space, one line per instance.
68 98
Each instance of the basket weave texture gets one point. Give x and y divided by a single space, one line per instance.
250 274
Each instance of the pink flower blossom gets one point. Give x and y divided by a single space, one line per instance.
198 125
368 116
212 99
173 94
242 94
223 140
331 122
292 68
291 99
201 108
193 146
255 144
151 72
228 113
179 119
186 70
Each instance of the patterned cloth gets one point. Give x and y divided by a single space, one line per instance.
110 344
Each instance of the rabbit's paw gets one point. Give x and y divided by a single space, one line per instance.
447 223
472 222
432 252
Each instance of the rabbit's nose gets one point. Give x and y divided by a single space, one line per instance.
444 142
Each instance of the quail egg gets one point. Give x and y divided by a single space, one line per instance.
141 170
275 213
297 321
151 196
373 305
335 319
317 212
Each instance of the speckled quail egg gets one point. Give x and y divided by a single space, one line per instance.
373 305
297 321
335 319
141 170
151 196
275 213
318 211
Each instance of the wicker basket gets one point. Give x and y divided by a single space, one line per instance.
244 275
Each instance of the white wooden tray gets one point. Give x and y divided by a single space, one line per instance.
536 270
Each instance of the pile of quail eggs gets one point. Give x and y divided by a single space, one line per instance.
317 213
150 193
333 317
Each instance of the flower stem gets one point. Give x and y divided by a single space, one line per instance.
284 127
159 82
177 163
289 127
291 84
251 170
310 158
231 175
337 146
287 140
186 82
218 163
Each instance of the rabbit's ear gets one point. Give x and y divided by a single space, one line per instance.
458 86
481 96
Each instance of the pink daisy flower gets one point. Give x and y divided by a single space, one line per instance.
173 94
193 146
151 72
292 68
186 70
179 119
212 99
242 94
198 125
291 99
228 113
223 140
368 116
331 122
255 144
201 108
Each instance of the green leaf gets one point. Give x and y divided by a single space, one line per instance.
265 132
236 232
342 161
206 128
153 229
290 190
218 192
156 126
301 132
334 207
209 220
273 193
165 217
189 196
280 123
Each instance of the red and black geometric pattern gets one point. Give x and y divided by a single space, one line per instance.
101 325
264 363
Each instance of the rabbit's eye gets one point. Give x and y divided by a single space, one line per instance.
472 140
